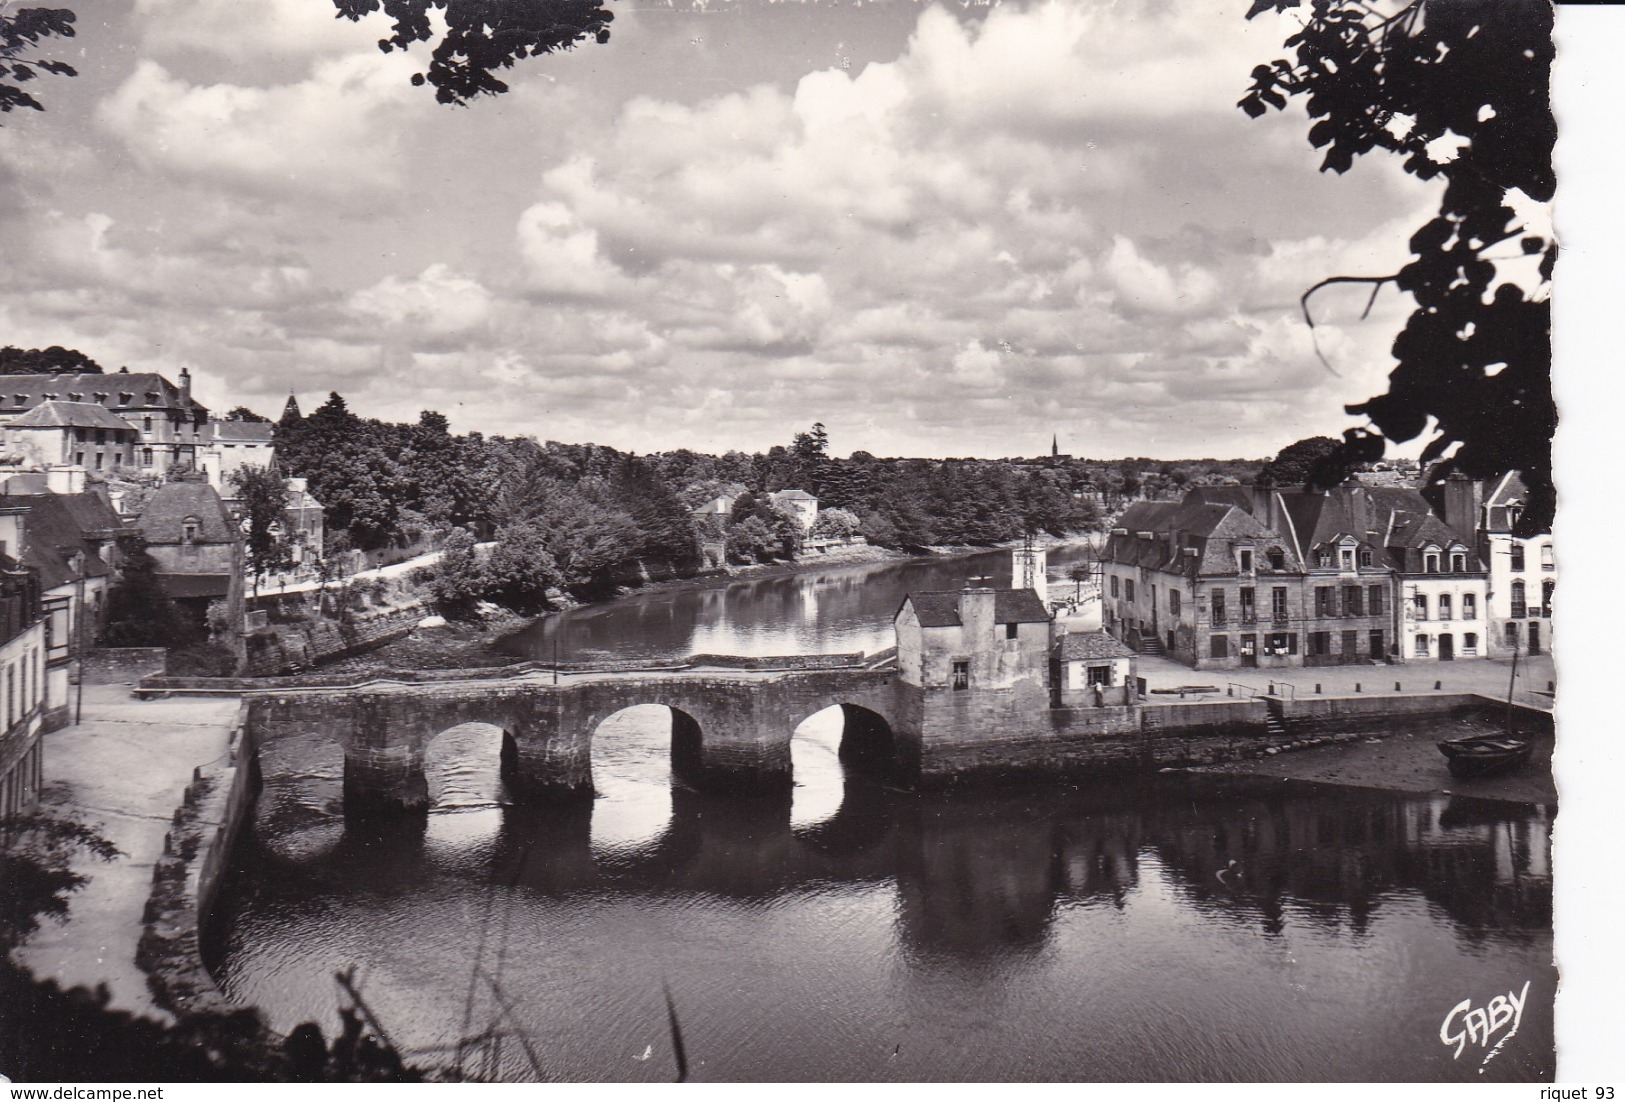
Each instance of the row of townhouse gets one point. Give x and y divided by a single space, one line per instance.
1522 569
1260 577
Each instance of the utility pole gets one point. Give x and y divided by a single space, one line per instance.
79 637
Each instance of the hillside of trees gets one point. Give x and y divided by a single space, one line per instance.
574 517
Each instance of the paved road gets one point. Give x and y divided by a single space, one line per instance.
123 770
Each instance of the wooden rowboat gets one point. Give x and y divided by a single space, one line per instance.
1485 755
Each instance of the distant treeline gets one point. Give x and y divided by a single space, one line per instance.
569 515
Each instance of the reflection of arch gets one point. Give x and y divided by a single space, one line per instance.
827 749
868 743
465 764
636 757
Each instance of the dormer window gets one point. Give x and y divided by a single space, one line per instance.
1458 561
152 397
1323 558
1365 556
1245 555
1430 562
125 397
100 397
20 399
1513 513
1345 558
189 529
75 396
1277 559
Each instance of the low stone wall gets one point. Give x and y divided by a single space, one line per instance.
779 662
117 665
1229 715
186 879
285 647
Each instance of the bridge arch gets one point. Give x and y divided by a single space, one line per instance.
466 765
829 745
638 754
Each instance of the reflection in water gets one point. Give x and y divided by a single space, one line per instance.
814 761
856 932
834 611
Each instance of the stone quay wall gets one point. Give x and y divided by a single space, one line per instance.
282 648
187 878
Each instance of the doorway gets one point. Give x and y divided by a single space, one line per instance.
1447 648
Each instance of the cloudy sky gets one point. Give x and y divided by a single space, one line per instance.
939 230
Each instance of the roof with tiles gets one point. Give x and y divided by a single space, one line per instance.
85 415
241 432
1010 606
1504 501
52 535
1091 645
163 519
1210 529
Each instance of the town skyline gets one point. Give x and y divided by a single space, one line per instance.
716 224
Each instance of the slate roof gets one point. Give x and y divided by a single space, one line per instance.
241 432
1212 529
51 535
173 502
1010 606
1395 520
793 495
87 415
1091 644
1509 491
146 390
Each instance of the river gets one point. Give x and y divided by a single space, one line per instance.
1177 928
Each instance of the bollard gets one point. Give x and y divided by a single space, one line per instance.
1356 686
1317 686
1272 688
1396 687
1437 685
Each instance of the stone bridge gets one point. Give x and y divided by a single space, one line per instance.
731 729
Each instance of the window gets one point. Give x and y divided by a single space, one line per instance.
1469 643
1219 646
1512 635
1375 593
1345 558
1323 558
1365 556
1546 560
101 436
1114 585
146 424
1422 644
1469 606
189 530
1517 556
1012 631
1421 606
1246 557
961 673
1278 603
1099 675
1445 611
1546 589
1376 644
1458 562
1520 605
1352 605
1320 643
1277 559
1128 590
1173 602
1248 614
1281 642
146 457
1218 612
1324 604
1430 562
1151 596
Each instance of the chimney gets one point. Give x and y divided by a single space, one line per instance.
976 613
1463 505
65 479
186 386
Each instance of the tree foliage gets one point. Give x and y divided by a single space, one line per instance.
139 612
264 497
1293 464
482 36
21 33
54 360
1475 355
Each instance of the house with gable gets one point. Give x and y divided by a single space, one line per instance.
171 426
801 503
79 434
1204 581
1441 584
1522 570
197 547
1349 599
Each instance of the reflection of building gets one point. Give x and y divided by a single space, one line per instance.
22 666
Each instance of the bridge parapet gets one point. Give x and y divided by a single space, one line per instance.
731 730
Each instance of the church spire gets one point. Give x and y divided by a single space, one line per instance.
1054 444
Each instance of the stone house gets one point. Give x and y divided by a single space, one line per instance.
1441 586
22 672
171 426
1092 670
1349 601
1522 570
975 639
61 434
229 446
1204 581
197 547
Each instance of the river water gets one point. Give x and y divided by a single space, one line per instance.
1176 928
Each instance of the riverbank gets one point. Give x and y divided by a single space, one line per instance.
1402 761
